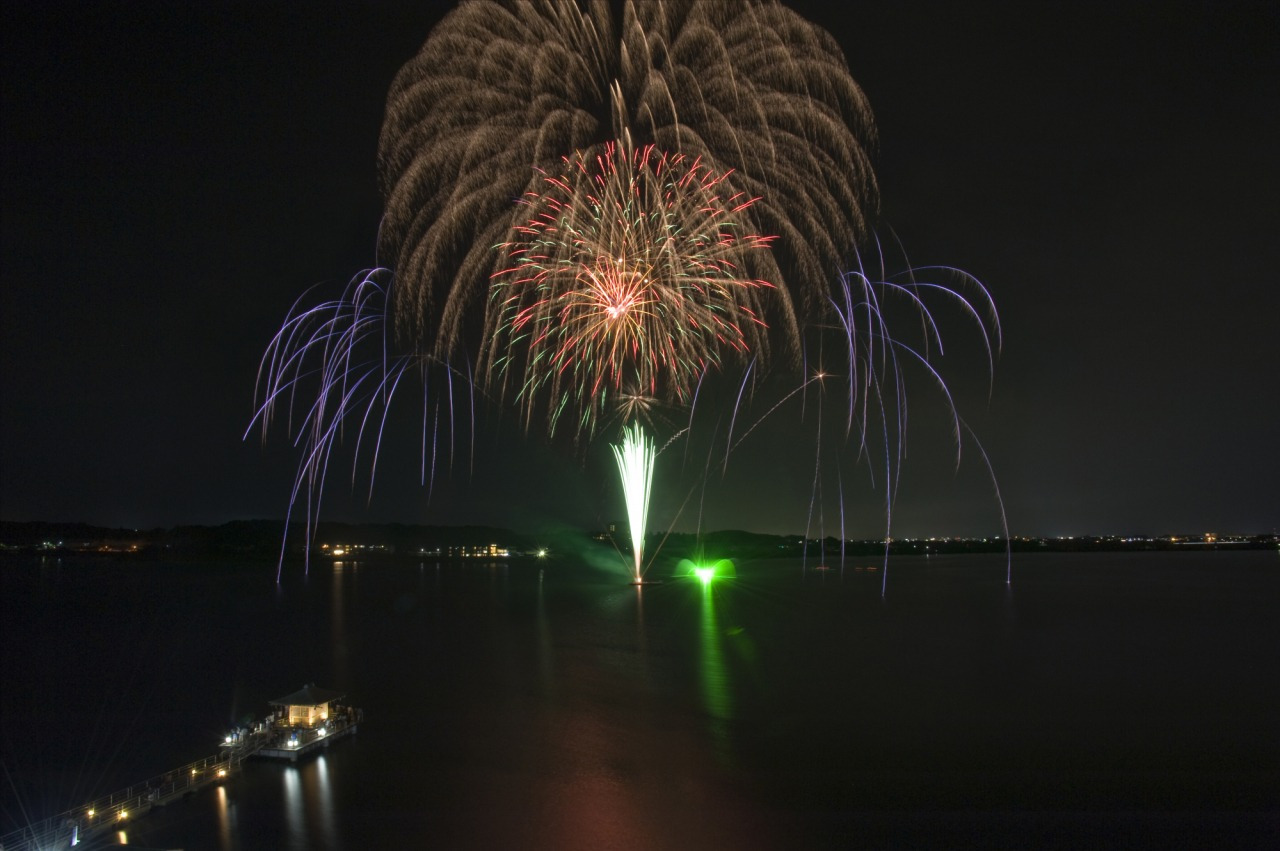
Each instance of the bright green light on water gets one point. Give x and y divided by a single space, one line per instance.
705 570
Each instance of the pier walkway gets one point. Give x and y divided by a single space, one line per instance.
115 811
301 727
273 739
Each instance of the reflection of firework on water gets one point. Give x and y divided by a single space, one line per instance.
630 279
503 88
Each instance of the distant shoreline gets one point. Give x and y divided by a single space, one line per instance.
263 539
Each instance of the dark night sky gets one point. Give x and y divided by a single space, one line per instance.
174 178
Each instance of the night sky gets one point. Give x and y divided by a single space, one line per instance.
175 178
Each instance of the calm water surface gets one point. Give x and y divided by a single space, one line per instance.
1126 698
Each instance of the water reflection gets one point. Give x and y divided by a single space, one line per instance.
310 819
337 623
320 801
717 698
226 820
294 817
641 643
546 663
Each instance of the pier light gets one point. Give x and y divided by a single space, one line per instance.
222 772
228 739
92 812
193 772
124 814
321 731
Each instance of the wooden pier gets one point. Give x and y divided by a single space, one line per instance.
305 722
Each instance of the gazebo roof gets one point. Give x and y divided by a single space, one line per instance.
308 695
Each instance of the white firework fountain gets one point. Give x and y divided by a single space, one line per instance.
635 465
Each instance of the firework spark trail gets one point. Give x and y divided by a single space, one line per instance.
879 378
737 403
843 539
864 315
878 340
336 354
693 407
890 487
313 468
382 426
731 445
426 409
632 271
435 442
471 385
815 496
389 381
1004 522
635 457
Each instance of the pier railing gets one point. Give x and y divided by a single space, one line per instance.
274 736
114 811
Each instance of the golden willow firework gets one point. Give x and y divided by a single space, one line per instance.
503 89
632 276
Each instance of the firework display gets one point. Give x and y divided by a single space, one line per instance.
591 217
631 276
501 91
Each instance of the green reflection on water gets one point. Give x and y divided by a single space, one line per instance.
717 696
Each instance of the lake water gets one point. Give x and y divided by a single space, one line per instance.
1123 699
